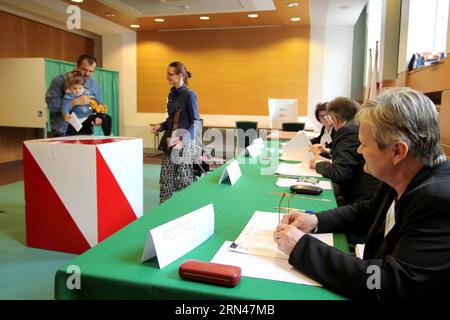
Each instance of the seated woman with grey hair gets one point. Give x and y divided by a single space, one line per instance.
407 250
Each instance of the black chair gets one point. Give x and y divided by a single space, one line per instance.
293 126
247 131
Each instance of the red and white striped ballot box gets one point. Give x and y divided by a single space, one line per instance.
80 190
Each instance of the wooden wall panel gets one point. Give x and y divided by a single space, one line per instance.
11 142
42 41
12 43
72 45
22 38
234 71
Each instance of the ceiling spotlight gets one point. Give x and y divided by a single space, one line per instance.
295 19
344 7
159 20
253 15
292 4
109 14
204 18
135 26
77 1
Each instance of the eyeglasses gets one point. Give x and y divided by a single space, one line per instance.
323 116
171 74
311 180
288 207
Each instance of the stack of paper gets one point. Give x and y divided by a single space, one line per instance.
296 170
298 148
257 254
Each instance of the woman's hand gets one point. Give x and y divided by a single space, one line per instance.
155 128
286 237
317 149
302 221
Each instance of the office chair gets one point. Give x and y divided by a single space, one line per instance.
246 132
293 126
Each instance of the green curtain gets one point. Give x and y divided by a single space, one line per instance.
106 79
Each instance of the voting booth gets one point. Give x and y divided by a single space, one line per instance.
80 190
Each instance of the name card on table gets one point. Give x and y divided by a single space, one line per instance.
174 239
253 150
259 142
231 173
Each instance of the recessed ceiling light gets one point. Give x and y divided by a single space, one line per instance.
253 15
109 14
344 7
159 20
78 1
292 4
204 18
295 19
135 26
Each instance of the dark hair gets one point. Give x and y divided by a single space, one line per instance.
90 59
181 68
343 108
320 107
73 78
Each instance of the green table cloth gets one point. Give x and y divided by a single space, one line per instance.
112 269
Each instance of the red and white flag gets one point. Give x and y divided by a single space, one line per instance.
369 77
375 87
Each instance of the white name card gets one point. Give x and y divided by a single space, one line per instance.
253 150
259 142
232 173
174 239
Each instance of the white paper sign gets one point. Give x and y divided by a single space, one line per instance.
174 239
75 122
253 150
231 172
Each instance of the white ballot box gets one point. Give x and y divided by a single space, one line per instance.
80 190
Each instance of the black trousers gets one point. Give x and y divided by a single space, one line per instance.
87 128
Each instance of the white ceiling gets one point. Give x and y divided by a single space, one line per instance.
153 8
322 12
335 12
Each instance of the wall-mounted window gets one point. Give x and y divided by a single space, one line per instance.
427 26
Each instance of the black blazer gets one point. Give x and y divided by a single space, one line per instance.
414 257
346 168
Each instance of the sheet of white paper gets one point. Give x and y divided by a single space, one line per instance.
253 150
287 183
232 172
257 236
261 267
296 170
75 122
179 236
298 147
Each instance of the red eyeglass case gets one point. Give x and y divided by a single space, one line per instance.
214 273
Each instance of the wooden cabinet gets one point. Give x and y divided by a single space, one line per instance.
444 118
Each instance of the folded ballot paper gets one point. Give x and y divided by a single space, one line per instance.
75 122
